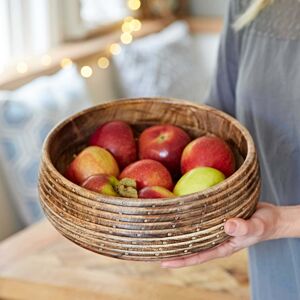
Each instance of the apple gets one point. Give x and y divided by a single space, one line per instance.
197 180
101 183
164 143
208 151
155 192
116 137
148 172
90 161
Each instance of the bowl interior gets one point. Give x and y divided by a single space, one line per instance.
71 135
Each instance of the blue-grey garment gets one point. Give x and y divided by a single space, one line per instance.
258 81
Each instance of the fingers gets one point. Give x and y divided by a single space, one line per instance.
240 227
220 251
182 262
247 232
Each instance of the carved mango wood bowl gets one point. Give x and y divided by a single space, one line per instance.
147 229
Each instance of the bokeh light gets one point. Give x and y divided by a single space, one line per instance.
103 62
66 62
134 4
126 38
115 49
22 67
86 71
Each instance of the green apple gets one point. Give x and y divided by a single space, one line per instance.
197 180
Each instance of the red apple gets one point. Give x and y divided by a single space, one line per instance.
101 183
91 161
116 137
148 172
155 192
164 143
208 151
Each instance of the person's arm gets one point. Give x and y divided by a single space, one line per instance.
222 92
289 222
268 222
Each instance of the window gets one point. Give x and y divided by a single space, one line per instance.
5 48
94 12
27 28
31 27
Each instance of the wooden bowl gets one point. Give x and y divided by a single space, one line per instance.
147 229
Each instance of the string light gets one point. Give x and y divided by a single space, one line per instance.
129 25
86 71
134 4
126 38
66 62
103 62
22 67
115 49
46 60
128 19
132 25
136 24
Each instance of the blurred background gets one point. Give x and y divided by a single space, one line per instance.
58 57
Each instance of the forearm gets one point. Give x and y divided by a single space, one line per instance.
288 224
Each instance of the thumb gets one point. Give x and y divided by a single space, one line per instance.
241 227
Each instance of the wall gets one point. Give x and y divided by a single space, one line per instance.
9 222
207 48
102 84
208 7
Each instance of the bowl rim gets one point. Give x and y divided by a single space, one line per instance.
122 201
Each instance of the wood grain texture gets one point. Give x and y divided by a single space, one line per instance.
151 229
51 267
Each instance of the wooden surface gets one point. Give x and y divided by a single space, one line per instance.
38 263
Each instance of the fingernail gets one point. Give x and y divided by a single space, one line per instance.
230 227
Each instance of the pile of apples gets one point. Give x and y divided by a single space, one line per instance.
163 162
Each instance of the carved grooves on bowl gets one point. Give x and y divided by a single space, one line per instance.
184 216
151 229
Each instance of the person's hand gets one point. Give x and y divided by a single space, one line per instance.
263 225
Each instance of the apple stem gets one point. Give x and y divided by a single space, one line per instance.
127 188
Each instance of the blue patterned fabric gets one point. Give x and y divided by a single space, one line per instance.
26 117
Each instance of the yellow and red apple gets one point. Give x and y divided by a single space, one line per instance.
148 172
91 161
155 192
102 183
